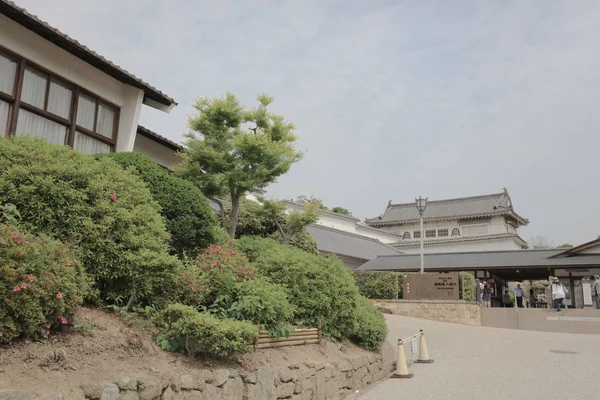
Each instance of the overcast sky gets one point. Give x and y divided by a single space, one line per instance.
391 99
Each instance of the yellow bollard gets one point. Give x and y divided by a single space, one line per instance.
423 352
401 367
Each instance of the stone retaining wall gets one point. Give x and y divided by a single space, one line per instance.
456 311
323 381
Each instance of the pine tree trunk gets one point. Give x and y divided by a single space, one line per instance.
235 208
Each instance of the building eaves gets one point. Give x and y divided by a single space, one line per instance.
159 138
570 252
349 244
463 261
460 239
43 29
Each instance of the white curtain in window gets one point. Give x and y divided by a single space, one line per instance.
34 125
59 99
34 88
86 110
4 107
88 145
106 120
8 75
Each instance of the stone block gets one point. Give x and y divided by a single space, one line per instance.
233 389
344 365
220 376
286 375
264 389
249 377
320 385
297 387
92 391
132 395
191 395
15 395
285 390
212 393
126 383
110 392
192 382
149 389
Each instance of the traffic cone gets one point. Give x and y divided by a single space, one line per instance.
423 352
401 367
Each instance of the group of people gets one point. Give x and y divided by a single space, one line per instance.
558 290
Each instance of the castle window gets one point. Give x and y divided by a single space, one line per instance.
406 235
455 232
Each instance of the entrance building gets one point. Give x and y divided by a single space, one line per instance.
498 268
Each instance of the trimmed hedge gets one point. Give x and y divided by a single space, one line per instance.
377 285
41 283
188 216
371 329
317 287
95 205
468 286
204 334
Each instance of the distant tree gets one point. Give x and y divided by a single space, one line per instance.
540 242
311 200
234 150
290 222
341 210
564 246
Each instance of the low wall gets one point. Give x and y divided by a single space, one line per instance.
455 311
333 380
543 319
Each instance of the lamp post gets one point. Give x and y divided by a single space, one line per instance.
421 204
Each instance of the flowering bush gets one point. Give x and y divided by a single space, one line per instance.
42 282
220 268
103 210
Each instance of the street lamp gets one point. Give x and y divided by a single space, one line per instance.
421 204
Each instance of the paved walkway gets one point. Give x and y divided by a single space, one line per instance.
491 363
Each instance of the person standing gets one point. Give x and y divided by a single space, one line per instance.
519 296
486 294
596 291
559 292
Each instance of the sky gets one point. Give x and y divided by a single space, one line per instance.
391 99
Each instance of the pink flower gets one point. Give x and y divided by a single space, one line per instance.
68 262
113 196
0 334
71 310
59 295
16 288
47 332
62 320
23 286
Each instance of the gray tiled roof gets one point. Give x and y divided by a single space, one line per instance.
477 260
466 207
457 239
335 241
43 29
158 138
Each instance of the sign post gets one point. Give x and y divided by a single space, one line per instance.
432 287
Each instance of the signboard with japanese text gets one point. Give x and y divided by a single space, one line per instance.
431 287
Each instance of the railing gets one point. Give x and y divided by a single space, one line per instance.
401 366
298 338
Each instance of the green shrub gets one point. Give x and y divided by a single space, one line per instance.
371 330
221 268
264 304
42 281
97 206
187 214
377 285
468 286
303 240
204 334
317 287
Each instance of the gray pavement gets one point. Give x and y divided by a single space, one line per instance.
491 363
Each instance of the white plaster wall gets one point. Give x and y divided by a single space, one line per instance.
491 245
158 153
337 223
497 225
34 48
381 236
